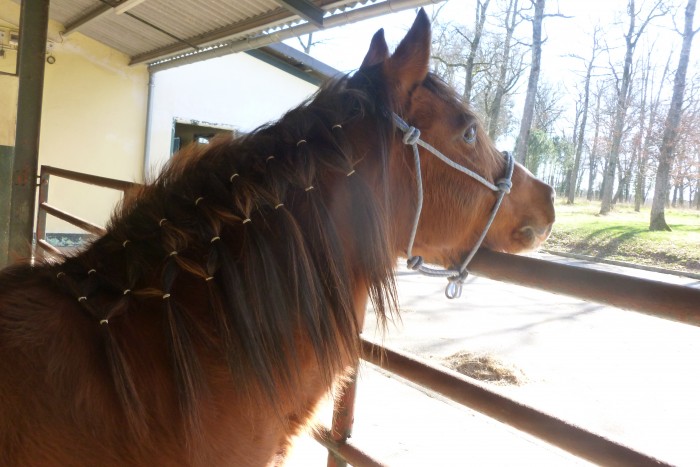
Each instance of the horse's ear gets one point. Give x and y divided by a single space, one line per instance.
409 65
378 50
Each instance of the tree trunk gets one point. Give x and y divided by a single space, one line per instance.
674 198
639 191
529 110
631 39
606 201
573 185
594 150
474 47
497 103
658 218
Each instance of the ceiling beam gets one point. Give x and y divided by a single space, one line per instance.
278 16
305 9
267 21
340 19
127 5
98 12
88 17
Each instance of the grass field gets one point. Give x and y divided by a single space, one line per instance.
624 235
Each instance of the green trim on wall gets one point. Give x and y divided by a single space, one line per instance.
6 155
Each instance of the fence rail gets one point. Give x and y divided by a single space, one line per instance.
44 208
667 301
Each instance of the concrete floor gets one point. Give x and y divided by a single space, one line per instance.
627 376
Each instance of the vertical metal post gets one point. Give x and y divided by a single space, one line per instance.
343 417
34 21
40 213
6 155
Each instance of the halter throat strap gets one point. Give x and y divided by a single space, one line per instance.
455 277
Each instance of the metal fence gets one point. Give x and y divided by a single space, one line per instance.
668 301
44 208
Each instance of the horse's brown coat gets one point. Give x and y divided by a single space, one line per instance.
226 298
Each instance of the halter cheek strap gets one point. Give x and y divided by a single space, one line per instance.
455 278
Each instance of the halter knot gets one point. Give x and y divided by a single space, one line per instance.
414 262
504 185
411 136
454 285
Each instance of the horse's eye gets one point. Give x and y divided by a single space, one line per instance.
470 134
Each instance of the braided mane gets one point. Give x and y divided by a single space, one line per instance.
274 229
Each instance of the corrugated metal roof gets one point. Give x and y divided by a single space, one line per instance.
151 31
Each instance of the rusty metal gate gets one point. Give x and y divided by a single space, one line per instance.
667 301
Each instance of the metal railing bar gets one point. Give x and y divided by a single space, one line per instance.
660 299
71 219
343 416
90 179
345 451
49 247
557 432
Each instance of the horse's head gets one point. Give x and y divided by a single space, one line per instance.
456 206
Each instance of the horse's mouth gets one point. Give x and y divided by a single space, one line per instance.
529 238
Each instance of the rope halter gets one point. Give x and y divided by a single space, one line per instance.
455 277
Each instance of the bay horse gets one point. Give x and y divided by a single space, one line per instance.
226 298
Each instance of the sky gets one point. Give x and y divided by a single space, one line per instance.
344 47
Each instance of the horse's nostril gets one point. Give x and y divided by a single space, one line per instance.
526 235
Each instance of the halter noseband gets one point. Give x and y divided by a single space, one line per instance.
455 278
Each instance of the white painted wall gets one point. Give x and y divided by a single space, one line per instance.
236 90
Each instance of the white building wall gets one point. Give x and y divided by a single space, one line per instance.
236 90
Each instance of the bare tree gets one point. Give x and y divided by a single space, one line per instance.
528 111
661 186
647 128
450 43
510 23
593 154
491 70
548 108
631 38
308 42
584 119
480 20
